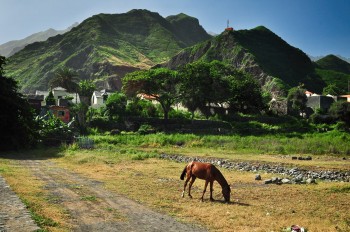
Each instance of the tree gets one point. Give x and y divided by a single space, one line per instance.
297 98
65 78
141 108
50 99
86 89
116 106
160 84
17 125
340 110
195 83
205 84
331 89
79 111
245 94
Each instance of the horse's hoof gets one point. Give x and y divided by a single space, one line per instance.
212 199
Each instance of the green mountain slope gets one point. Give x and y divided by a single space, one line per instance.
334 70
105 47
332 62
260 52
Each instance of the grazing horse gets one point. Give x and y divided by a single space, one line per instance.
207 172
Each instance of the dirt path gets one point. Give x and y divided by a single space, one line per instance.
93 208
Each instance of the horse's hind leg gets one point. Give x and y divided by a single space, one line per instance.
186 181
190 186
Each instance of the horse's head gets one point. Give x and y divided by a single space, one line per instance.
226 191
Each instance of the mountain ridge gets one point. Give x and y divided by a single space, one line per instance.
259 52
11 47
103 48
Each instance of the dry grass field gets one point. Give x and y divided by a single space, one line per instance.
155 183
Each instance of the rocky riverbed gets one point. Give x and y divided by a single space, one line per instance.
291 175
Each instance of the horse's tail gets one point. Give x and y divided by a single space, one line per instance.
182 177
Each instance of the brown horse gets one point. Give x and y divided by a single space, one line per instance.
207 172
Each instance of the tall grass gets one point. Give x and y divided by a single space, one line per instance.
333 142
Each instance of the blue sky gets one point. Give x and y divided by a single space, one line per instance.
318 27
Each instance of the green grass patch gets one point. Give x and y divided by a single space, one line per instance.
330 143
340 189
89 198
39 219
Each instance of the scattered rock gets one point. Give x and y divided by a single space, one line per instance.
310 181
296 175
286 181
268 181
257 177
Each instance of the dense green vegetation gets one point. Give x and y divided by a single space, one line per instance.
200 86
336 143
17 125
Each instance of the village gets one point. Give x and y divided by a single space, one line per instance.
60 107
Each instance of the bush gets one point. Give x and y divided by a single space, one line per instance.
53 131
142 108
179 114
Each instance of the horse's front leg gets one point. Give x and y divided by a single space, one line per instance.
205 189
211 190
190 186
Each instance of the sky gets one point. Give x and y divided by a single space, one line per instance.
317 27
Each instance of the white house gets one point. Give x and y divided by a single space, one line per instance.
59 93
98 98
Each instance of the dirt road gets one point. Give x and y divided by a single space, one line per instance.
93 208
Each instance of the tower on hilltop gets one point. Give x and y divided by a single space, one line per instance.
228 28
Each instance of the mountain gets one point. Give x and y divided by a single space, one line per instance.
260 52
316 58
334 70
105 47
11 47
334 63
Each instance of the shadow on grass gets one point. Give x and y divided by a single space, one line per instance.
40 153
230 203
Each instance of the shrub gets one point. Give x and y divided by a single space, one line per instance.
53 131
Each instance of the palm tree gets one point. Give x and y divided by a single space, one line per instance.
65 78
